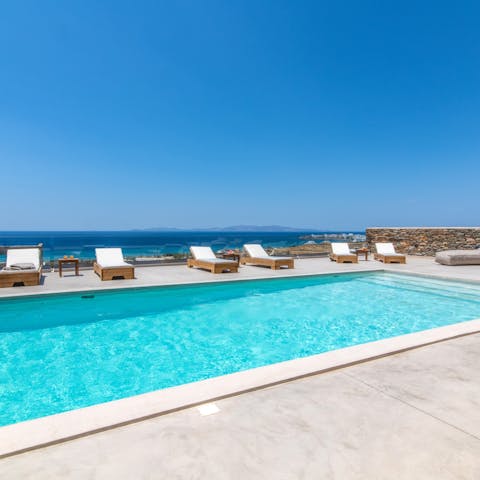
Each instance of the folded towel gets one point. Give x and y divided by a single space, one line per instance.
21 266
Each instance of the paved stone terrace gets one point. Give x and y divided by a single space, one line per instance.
414 415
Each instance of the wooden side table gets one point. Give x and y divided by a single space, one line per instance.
62 261
362 251
231 256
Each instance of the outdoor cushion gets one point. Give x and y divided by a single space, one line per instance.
341 249
217 260
255 251
110 257
458 257
385 249
23 255
202 253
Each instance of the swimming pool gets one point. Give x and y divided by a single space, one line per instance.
62 352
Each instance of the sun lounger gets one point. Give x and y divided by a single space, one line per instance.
110 264
203 257
458 257
256 255
386 253
23 267
341 253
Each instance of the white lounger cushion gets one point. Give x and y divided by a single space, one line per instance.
255 250
386 249
205 254
110 257
23 255
218 260
341 249
202 253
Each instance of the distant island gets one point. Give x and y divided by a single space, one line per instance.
236 228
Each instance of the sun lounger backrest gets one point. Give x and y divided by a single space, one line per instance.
109 257
23 255
385 248
202 253
255 250
341 248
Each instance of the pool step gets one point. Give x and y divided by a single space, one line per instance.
467 292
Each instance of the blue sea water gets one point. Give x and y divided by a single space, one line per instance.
143 243
63 352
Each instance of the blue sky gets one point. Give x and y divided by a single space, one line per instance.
338 115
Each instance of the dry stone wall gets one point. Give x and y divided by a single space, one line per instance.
425 241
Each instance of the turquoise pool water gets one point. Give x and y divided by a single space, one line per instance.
63 352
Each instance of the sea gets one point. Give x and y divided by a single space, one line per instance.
156 244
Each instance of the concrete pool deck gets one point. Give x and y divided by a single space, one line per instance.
414 415
394 417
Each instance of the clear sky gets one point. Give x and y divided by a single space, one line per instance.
338 114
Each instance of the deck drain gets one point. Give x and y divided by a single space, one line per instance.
208 409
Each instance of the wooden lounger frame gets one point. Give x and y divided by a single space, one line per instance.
390 258
111 273
351 258
273 263
214 267
27 278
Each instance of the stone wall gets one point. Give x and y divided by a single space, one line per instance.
425 241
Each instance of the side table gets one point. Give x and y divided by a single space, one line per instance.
62 261
231 256
362 251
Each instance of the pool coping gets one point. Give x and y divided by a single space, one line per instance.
188 283
217 281
42 432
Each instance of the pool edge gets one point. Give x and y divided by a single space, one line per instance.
188 283
45 431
